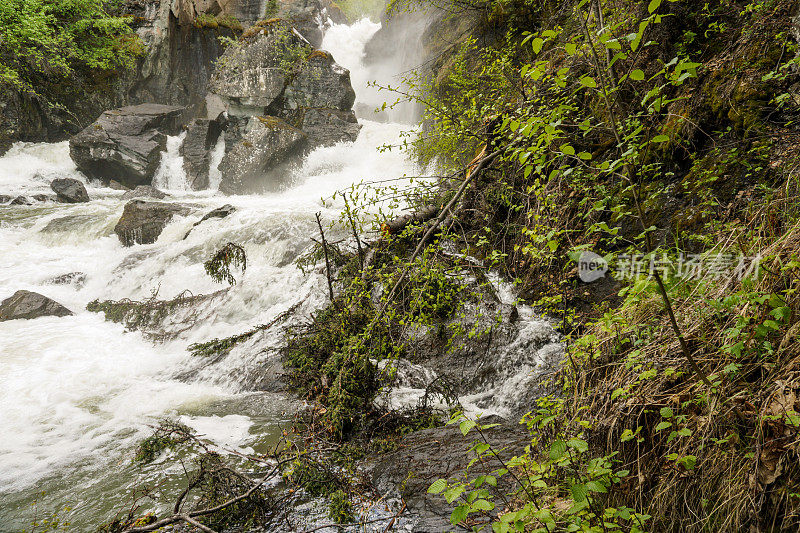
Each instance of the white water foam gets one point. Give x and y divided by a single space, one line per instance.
78 392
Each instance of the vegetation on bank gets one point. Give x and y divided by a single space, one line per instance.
660 136
43 42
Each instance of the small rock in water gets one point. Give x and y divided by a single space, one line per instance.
21 200
144 191
142 222
72 278
27 305
43 197
4 198
69 190
220 212
117 186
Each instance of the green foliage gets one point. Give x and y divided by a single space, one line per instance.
315 477
357 9
229 256
166 435
340 510
48 40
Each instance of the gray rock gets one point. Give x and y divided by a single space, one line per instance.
4 198
220 212
320 82
282 99
125 144
69 190
326 127
252 76
201 136
72 278
142 221
253 165
117 186
21 200
43 197
27 305
144 191
430 454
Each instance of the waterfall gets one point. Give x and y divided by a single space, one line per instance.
170 175
79 392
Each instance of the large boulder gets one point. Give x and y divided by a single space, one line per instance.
142 221
326 127
27 305
125 144
201 137
69 190
283 98
254 164
252 76
320 82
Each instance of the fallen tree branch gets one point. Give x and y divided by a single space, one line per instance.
398 224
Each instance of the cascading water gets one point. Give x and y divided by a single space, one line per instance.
77 393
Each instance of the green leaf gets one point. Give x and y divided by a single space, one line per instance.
567 149
666 412
588 81
482 505
537 44
660 138
636 75
578 444
596 486
571 48
557 450
437 486
459 514
654 4
579 492
663 425
466 426
453 493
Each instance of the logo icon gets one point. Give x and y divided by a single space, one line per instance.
591 267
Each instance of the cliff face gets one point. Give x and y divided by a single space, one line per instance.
181 42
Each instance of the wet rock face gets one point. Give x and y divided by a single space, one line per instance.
125 144
253 165
201 136
283 99
320 83
326 127
69 190
430 454
27 305
142 221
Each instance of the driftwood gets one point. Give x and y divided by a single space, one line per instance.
398 224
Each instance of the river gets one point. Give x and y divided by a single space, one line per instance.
77 393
